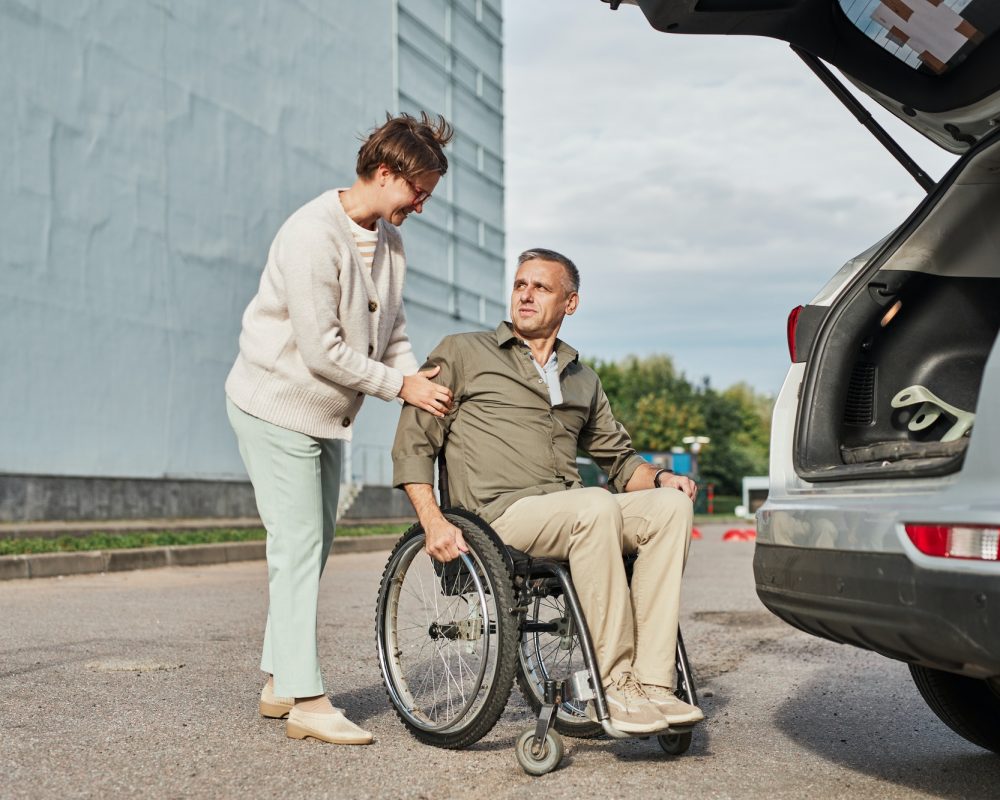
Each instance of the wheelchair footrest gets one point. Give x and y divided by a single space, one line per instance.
677 730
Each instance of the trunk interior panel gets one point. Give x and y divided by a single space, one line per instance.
925 313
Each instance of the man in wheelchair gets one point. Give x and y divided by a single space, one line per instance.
523 405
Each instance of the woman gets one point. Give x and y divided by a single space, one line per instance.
325 329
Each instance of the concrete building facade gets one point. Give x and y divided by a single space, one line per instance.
149 154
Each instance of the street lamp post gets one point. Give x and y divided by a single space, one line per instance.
695 443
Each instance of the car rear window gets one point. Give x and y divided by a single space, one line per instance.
931 36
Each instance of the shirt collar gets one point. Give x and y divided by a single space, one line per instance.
564 353
505 334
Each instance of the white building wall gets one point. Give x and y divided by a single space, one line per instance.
148 153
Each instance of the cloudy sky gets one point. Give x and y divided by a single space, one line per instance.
703 185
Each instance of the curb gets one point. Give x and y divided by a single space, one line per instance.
50 565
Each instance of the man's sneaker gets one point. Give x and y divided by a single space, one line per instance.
673 709
631 711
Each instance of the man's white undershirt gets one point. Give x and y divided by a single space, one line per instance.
550 374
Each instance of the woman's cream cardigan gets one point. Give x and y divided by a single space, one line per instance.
322 331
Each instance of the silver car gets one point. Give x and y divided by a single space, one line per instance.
882 524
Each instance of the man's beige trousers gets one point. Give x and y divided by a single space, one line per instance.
632 630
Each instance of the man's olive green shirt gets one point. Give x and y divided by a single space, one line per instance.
505 438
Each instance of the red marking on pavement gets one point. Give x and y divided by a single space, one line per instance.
739 535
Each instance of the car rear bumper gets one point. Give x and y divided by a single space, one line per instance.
885 603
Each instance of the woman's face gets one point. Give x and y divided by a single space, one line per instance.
402 196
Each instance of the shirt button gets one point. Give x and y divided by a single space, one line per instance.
372 306
347 422
540 380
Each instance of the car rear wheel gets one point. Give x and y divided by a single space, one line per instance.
969 706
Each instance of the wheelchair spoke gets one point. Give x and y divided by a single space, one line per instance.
449 680
412 628
550 647
428 676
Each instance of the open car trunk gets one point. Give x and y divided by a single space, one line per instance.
893 375
895 364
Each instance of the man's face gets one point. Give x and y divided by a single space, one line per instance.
541 298
405 196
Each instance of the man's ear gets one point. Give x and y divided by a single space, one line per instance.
572 303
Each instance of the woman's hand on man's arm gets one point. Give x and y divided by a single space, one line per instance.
420 391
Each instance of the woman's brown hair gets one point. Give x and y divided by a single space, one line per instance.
406 145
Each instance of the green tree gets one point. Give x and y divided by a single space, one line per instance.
738 422
627 381
660 423
659 406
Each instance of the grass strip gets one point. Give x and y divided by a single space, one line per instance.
118 541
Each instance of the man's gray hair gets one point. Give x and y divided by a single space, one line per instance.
541 254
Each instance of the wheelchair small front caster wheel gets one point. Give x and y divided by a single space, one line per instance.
540 760
676 744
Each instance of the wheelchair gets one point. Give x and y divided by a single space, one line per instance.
453 638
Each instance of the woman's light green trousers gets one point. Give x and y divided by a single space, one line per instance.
296 480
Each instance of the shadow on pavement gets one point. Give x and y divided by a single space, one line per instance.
892 738
363 703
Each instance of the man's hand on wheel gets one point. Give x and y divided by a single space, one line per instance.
443 541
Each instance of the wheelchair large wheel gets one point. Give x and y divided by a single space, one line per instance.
555 655
447 637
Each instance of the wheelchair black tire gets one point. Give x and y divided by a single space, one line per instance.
675 744
468 729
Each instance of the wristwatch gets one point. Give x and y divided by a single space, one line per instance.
656 477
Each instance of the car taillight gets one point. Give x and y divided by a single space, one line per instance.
981 542
793 322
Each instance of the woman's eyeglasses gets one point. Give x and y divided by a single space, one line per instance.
419 195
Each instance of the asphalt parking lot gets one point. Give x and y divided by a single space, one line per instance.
145 684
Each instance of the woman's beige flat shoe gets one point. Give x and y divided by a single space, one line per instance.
334 728
274 707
